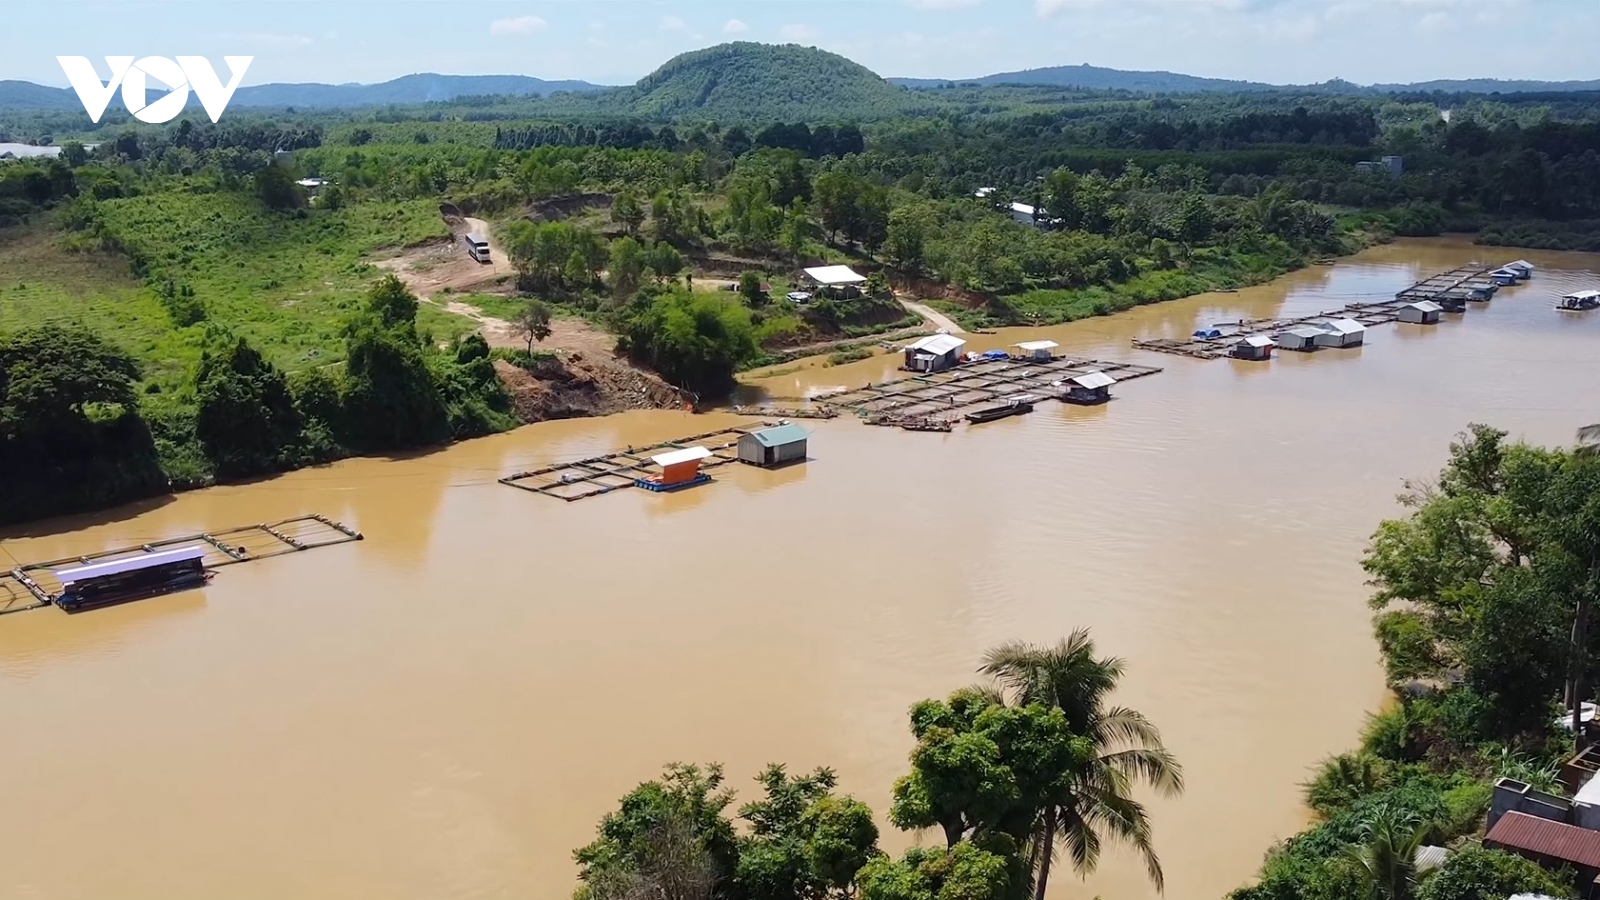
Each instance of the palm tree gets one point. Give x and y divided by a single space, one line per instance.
1387 854
1096 802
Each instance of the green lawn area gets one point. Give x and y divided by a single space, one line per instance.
285 281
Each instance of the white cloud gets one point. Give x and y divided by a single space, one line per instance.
1048 8
518 25
734 26
942 4
798 34
672 23
273 38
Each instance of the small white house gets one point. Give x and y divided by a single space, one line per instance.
1028 215
1301 337
1254 347
1342 333
1521 268
1422 312
1037 351
934 353
983 193
838 281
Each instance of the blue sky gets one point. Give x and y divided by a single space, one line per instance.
618 41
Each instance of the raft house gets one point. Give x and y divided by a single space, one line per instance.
1088 389
838 282
679 469
1579 301
116 581
1422 312
1342 333
774 446
160 567
934 353
1037 351
1521 268
1302 338
1504 277
1254 347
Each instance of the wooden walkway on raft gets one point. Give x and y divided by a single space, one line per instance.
1436 287
33 585
925 402
615 471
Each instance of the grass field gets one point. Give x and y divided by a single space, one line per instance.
287 282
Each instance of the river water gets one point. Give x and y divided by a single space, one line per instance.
446 709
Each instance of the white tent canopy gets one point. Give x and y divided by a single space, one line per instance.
835 275
687 454
1031 346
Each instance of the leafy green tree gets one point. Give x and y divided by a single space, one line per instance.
51 377
276 189
750 289
695 341
664 260
1125 748
1386 855
533 323
246 418
653 824
964 871
625 271
392 303
907 236
628 212
74 154
1473 873
804 842
390 398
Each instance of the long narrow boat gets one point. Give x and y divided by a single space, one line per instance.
1014 406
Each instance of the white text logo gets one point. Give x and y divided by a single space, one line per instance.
189 72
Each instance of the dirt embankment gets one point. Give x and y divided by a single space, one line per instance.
586 378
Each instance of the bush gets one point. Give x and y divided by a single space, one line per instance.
1473 873
696 341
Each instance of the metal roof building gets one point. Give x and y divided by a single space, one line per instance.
1546 841
1342 333
1088 389
1039 350
76 574
933 353
1422 312
832 276
774 446
1254 347
1303 337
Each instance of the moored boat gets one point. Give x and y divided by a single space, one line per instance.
1578 301
1014 406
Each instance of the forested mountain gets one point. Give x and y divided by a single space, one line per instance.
746 80
1097 78
404 91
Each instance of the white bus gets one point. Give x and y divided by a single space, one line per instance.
477 247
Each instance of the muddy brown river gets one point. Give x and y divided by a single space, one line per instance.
447 708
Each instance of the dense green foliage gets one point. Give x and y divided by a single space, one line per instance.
755 81
1484 591
1005 771
696 341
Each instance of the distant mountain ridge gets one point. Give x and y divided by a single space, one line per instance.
403 91
1089 77
758 81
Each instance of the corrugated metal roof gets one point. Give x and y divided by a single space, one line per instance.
1037 345
128 564
1426 306
1093 380
1542 837
1259 340
687 454
1023 208
1345 326
835 275
1305 331
1579 295
937 344
1430 857
780 434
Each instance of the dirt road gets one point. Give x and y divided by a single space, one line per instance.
933 317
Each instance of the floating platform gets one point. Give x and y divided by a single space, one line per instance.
35 585
1451 290
786 412
659 488
622 469
945 397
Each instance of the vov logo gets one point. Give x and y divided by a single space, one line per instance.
189 72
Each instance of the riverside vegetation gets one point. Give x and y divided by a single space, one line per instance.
1484 592
180 247
1012 772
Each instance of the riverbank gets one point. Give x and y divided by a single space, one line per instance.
469 597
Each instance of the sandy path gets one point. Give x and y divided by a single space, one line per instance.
933 317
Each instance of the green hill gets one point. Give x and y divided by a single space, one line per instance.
767 82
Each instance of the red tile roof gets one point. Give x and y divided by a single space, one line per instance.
1542 837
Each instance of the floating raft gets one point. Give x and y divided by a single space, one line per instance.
1015 407
658 487
945 397
785 412
1451 290
622 469
34 585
